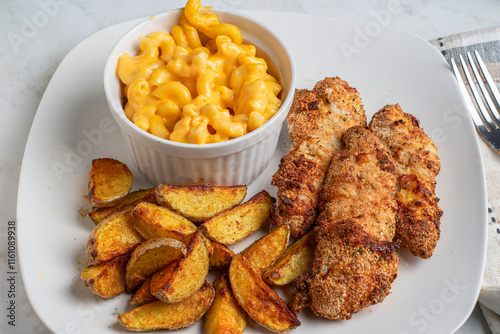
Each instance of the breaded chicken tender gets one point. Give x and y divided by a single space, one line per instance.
317 121
417 165
355 259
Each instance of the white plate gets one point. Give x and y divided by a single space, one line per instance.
73 126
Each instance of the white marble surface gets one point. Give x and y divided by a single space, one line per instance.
36 35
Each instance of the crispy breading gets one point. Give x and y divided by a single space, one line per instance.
299 180
325 112
355 259
353 269
301 299
361 182
317 121
417 165
413 151
418 217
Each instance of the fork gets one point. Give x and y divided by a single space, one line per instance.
485 117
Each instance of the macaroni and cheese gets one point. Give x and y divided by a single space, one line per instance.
199 83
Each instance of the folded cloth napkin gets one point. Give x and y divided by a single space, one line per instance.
487 43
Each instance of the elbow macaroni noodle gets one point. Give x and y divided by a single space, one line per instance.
180 89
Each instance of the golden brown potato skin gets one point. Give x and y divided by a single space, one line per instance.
154 221
109 182
355 259
151 256
107 279
143 294
225 315
261 302
417 165
263 252
159 315
317 121
199 203
233 225
128 203
296 260
221 255
112 237
181 278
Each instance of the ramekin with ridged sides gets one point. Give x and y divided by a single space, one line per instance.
237 161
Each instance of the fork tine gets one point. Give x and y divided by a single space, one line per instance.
493 111
491 84
484 113
470 105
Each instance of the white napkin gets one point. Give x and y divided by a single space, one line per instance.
487 43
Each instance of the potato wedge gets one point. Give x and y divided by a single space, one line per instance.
198 203
129 202
107 279
153 221
109 183
112 237
263 252
260 302
151 256
235 224
225 315
221 255
143 294
159 315
296 260
182 278
210 246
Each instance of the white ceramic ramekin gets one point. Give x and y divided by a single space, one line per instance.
237 161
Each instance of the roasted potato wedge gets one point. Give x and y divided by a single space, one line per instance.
129 202
225 315
198 203
143 294
260 302
296 260
221 255
264 251
151 256
107 279
210 246
109 183
159 315
235 224
153 221
112 237
182 278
